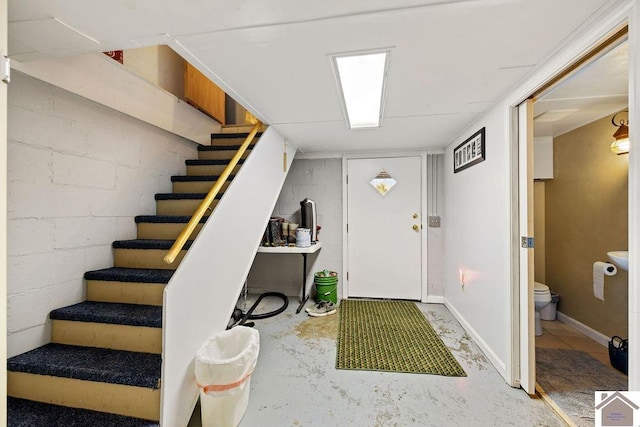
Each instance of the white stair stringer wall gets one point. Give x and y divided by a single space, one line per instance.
201 296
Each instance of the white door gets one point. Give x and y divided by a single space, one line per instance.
525 225
384 258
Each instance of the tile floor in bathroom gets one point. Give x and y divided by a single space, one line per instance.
561 335
296 383
574 395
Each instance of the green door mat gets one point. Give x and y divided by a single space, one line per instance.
391 336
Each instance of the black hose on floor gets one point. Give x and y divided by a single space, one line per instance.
240 319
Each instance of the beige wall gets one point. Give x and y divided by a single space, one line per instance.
159 65
586 216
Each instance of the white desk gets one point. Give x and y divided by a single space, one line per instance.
295 250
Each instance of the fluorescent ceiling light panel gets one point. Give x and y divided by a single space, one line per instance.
362 79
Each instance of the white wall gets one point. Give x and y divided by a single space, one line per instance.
321 181
477 240
477 210
78 173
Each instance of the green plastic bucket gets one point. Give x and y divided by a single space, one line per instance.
326 283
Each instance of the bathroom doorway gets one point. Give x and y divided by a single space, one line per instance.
580 199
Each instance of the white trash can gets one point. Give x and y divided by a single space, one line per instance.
224 364
549 311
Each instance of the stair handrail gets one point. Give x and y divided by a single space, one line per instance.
210 197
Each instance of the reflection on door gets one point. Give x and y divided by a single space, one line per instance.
384 258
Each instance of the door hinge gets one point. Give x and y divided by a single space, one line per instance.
347 227
347 275
5 69
347 178
527 242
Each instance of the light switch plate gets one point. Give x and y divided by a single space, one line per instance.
434 221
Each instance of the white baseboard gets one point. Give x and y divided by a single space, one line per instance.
581 327
493 358
434 300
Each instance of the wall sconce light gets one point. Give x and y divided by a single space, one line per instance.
620 145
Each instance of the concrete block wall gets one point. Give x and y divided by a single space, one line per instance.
78 173
321 181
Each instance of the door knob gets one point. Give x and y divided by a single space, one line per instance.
416 227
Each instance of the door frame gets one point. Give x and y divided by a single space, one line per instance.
629 12
423 209
523 186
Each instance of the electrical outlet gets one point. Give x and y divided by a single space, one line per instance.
434 221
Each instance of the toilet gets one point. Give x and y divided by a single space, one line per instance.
541 298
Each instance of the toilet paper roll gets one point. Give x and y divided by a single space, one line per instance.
601 269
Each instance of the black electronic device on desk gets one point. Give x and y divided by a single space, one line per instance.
309 217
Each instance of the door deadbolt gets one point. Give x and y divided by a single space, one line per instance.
415 215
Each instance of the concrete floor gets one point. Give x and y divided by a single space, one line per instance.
296 384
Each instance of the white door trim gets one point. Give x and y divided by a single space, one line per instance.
525 228
634 199
423 207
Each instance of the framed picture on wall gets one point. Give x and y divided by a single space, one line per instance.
470 152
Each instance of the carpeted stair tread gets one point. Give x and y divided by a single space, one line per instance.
147 244
163 219
138 275
91 364
210 162
27 413
184 196
111 313
221 147
191 178
242 135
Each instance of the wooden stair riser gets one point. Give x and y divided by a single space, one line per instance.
125 292
197 186
164 231
145 258
241 128
104 335
207 170
220 154
218 140
132 401
180 207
